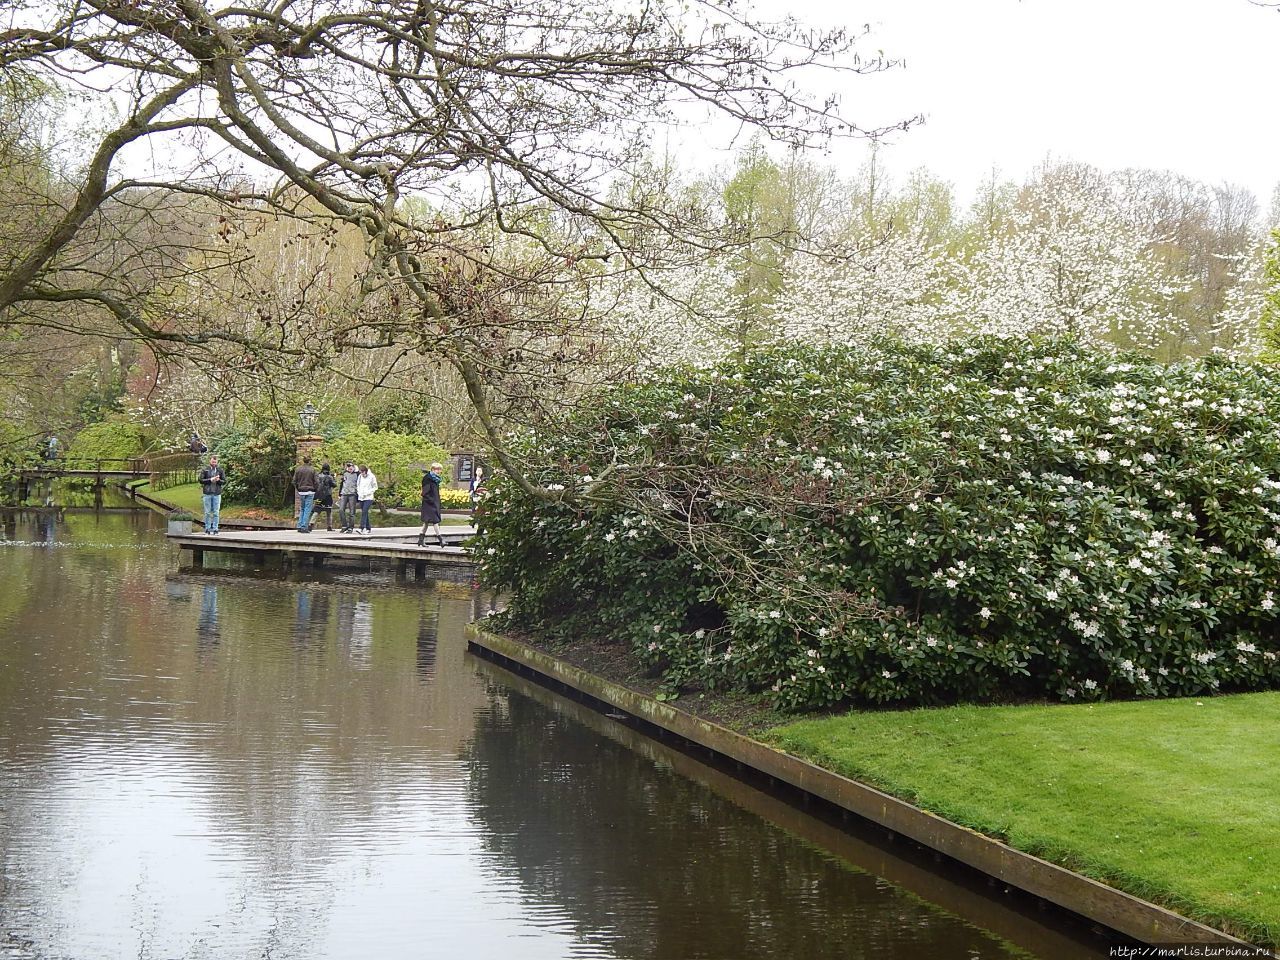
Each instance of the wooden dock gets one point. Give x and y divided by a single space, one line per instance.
287 548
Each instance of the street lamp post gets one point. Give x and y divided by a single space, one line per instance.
306 444
309 415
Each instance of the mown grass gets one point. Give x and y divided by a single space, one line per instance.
1176 801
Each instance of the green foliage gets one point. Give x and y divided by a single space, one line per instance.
399 413
96 400
112 439
1270 321
259 465
19 448
395 458
978 520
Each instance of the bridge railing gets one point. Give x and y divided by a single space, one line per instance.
172 469
163 469
95 464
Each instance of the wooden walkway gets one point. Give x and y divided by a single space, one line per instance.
286 548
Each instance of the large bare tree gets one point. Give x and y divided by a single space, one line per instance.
478 146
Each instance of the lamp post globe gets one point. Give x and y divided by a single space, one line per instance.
309 415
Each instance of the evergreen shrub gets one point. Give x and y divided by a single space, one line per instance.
981 520
396 460
259 465
108 440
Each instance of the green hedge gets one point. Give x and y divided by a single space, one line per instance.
113 439
395 459
978 520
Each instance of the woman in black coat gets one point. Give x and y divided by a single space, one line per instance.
431 503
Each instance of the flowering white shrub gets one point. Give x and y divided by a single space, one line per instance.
911 523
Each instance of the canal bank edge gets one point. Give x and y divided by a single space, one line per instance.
1132 916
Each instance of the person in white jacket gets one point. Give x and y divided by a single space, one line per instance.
366 487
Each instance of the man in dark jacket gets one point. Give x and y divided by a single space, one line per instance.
212 478
304 482
325 483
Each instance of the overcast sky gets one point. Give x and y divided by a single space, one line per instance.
1184 85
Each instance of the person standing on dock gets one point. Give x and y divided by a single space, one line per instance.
212 478
366 487
304 482
325 483
431 503
347 498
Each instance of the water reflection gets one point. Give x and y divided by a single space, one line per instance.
232 767
428 633
662 867
207 633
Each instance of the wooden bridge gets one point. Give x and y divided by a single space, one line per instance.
106 469
176 467
288 548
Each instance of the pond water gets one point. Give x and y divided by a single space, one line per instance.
221 766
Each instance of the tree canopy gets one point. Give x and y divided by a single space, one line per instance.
474 148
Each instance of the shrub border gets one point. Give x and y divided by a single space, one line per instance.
1115 909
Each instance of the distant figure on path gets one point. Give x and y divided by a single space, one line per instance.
212 478
304 482
196 445
51 448
324 495
477 482
431 503
347 498
366 487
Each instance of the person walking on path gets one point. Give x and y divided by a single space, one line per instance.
347 498
366 487
431 503
304 482
325 483
476 491
212 478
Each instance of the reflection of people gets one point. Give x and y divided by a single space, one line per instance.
311 617
304 482
428 631
366 487
361 633
212 478
207 633
325 482
431 503
346 620
347 498
46 525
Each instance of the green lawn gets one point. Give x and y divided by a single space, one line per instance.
187 495
1177 801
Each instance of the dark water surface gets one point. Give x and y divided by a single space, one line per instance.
219 766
